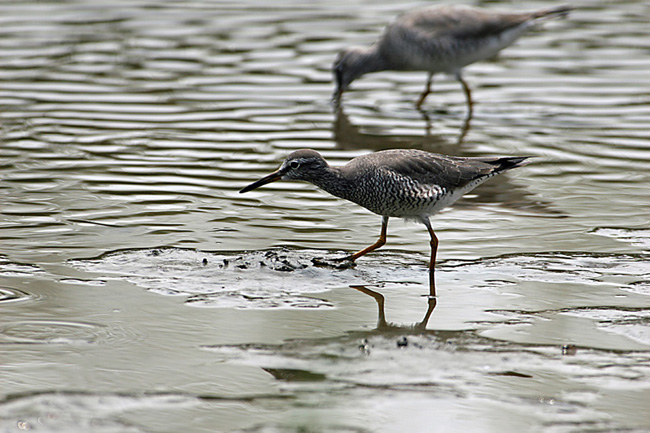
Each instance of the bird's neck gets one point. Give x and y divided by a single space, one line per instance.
331 180
368 59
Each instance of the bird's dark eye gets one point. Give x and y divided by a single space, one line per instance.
294 164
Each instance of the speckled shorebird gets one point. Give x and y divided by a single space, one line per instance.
404 183
437 39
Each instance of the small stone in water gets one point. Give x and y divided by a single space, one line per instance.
364 347
569 349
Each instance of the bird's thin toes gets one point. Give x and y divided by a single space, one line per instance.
421 326
337 263
343 259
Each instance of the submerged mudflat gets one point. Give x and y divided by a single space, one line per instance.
140 292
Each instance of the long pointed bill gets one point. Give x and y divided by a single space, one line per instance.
276 175
336 96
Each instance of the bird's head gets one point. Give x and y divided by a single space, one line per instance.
347 68
305 164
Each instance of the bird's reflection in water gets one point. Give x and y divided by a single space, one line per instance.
382 324
350 136
462 133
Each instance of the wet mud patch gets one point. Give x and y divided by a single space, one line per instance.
612 328
635 237
285 278
593 300
592 269
277 278
13 269
70 411
447 368
631 323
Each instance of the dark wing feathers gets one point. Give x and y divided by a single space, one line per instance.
433 169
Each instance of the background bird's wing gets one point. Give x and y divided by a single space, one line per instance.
457 22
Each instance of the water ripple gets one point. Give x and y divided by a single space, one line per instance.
11 294
50 332
128 125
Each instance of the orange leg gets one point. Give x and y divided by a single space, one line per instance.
380 242
468 94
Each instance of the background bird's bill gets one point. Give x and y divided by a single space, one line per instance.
276 175
336 97
338 92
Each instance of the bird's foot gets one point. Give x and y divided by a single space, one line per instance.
421 326
336 263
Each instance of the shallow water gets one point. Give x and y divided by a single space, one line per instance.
140 292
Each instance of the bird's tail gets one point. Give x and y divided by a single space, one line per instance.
509 162
556 12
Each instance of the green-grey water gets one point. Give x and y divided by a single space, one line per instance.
139 292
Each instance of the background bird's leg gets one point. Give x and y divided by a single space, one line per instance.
432 281
427 90
468 94
381 241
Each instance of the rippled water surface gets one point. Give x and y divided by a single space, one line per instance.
139 292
